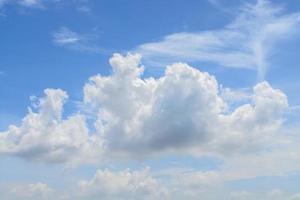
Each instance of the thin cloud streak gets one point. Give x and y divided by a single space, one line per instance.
26 3
65 37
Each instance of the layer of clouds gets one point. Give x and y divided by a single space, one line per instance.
129 117
246 42
141 185
41 190
275 194
105 184
27 191
133 185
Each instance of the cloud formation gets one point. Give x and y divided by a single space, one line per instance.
133 185
140 185
44 135
246 42
126 117
181 111
32 190
130 117
67 38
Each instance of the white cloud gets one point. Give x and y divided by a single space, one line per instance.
182 111
30 191
246 42
80 5
143 112
25 3
133 185
76 41
40 189
279 158
217 184
241 195
295 197
193 184
44 135
65 36
235 96
275 193
31 3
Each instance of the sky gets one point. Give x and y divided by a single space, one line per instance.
144 100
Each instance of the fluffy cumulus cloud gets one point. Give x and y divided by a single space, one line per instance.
181 111
44 135
250 125
133 185
153 114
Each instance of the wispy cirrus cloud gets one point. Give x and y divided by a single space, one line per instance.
70 39
31 3
26 3
80 5
65 36
246 42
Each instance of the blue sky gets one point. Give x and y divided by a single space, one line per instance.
149 99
